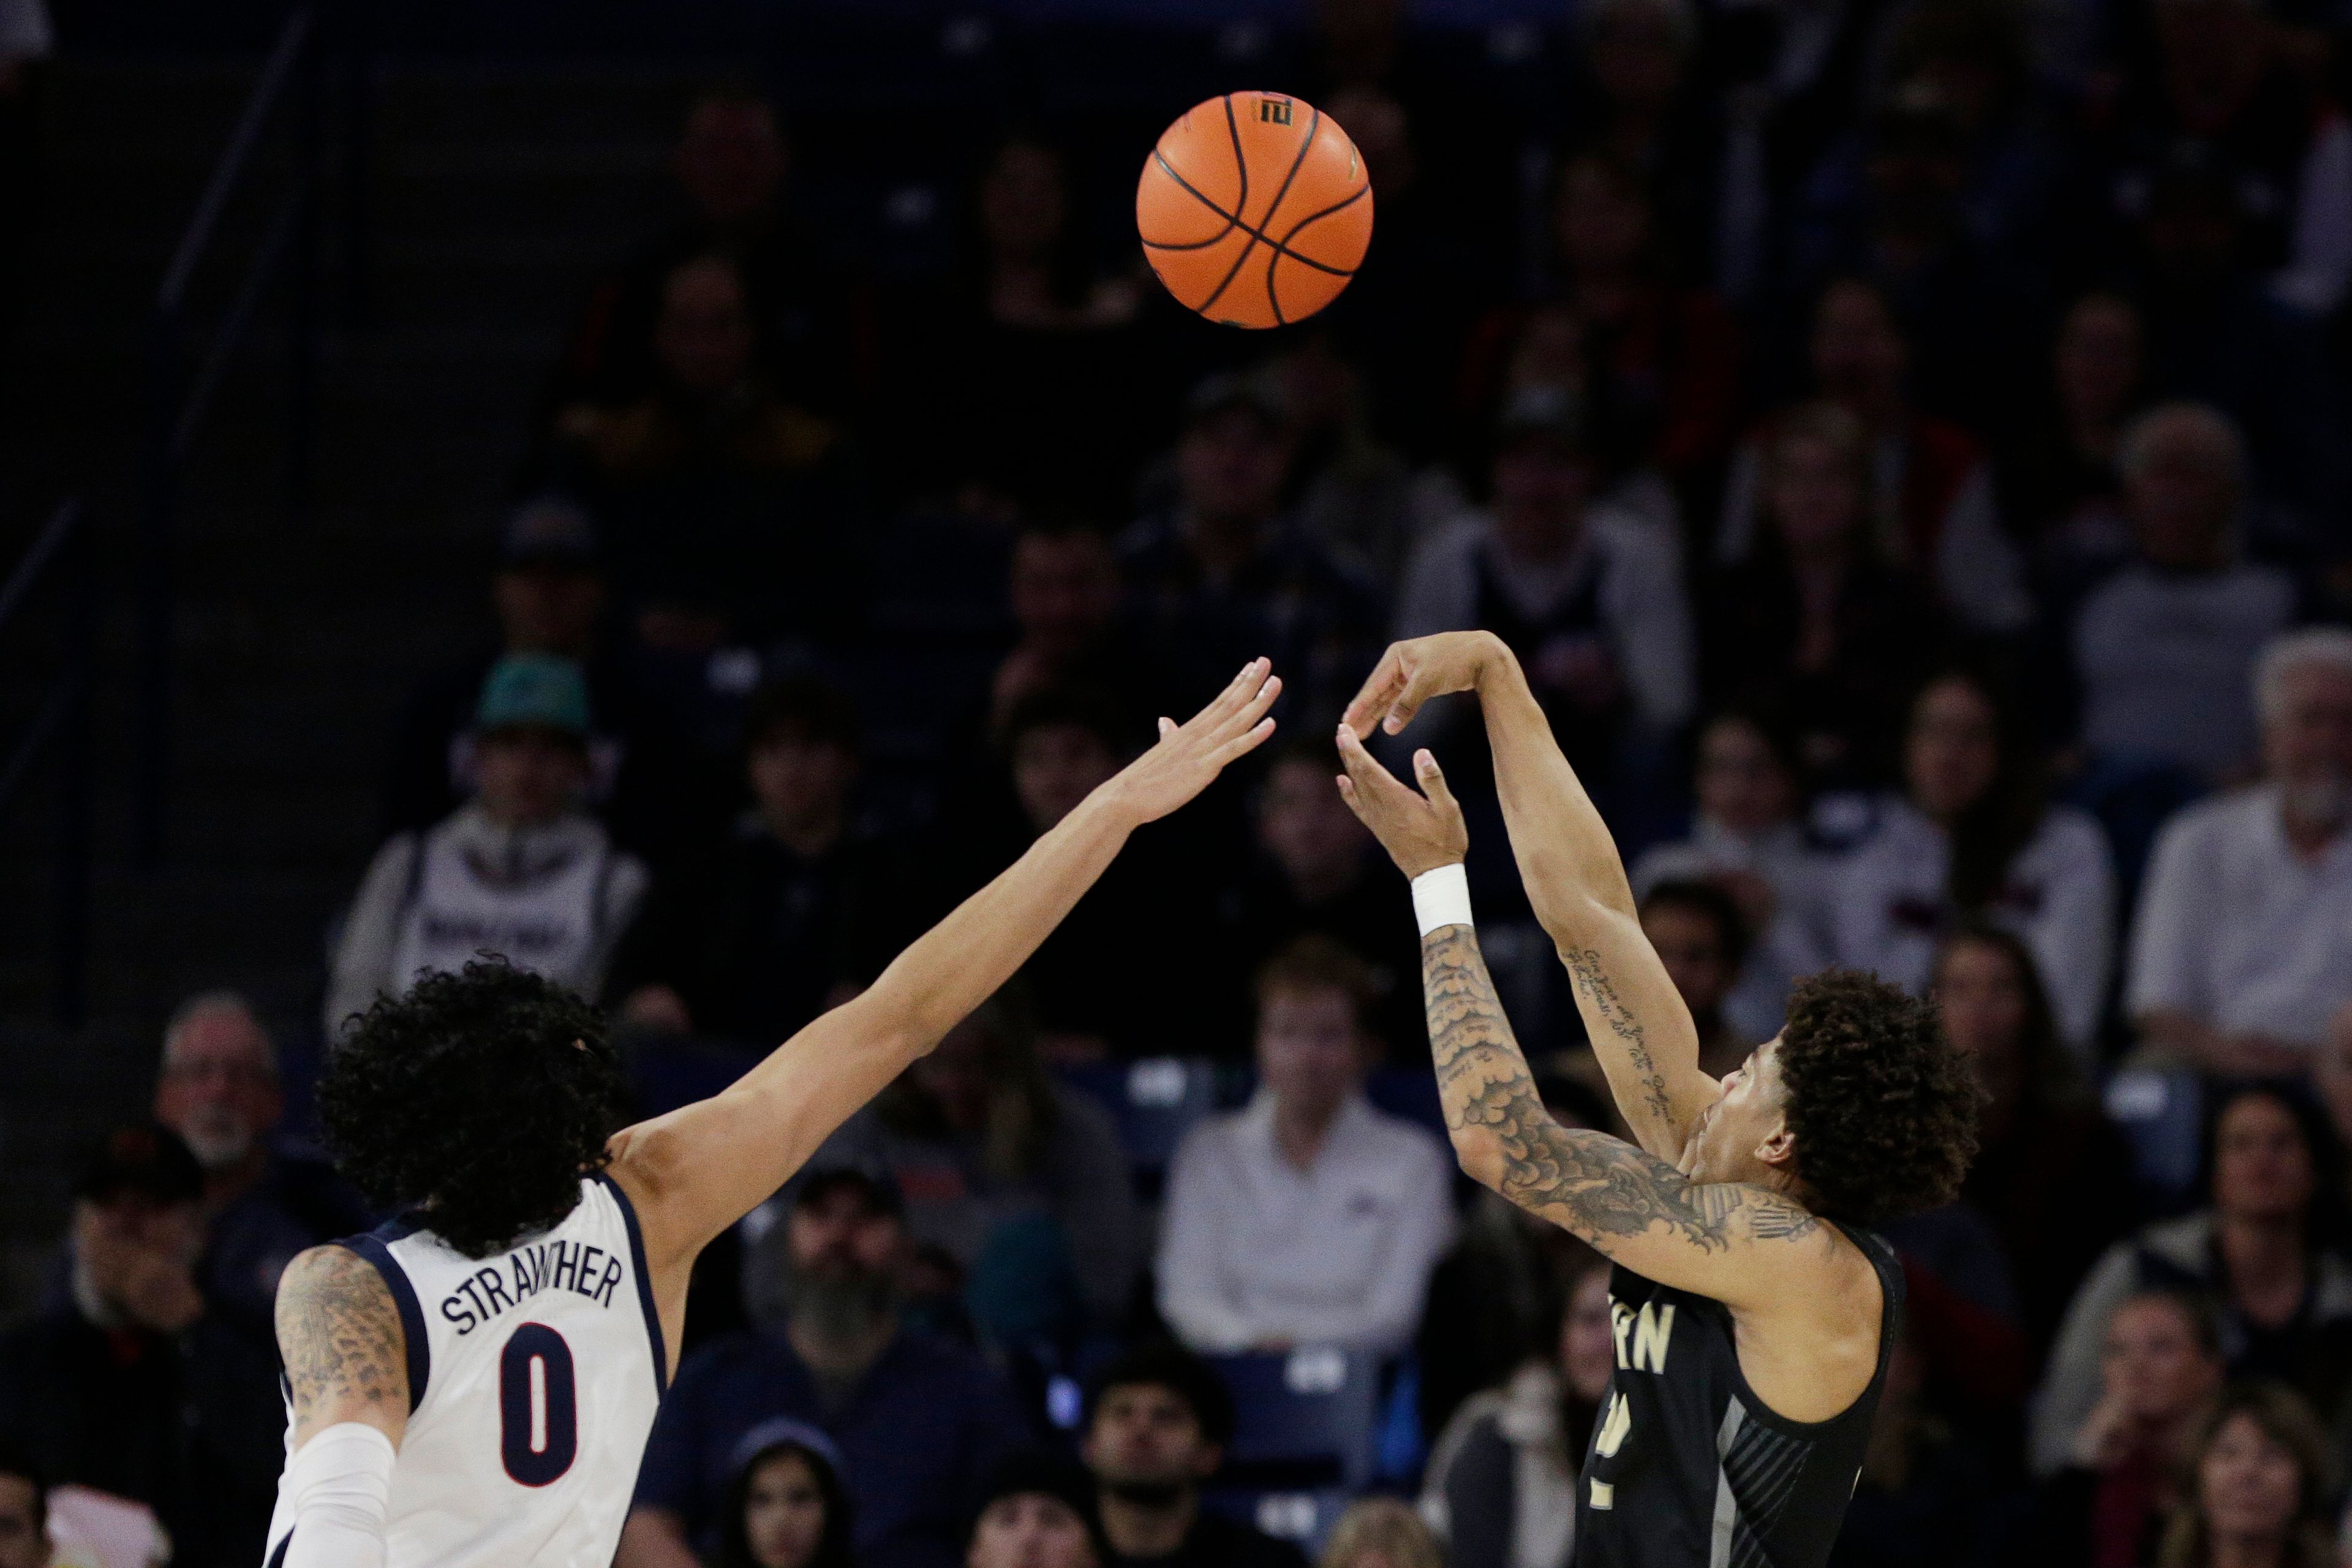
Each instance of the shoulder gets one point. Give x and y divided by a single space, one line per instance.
328 1284
2072 832
1392 1141
2215 824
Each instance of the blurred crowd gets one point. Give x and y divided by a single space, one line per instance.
1905 443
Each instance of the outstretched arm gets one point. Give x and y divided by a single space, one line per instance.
347 1380
1731 1242
698 1170
1641 1029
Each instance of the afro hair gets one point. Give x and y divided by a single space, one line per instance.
1882 1106
480 1098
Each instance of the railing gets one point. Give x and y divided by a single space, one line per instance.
183 378
63 722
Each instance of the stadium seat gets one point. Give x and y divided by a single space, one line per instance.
1303 1517
1153 1101
1303 1419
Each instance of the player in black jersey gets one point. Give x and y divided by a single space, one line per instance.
1753 1319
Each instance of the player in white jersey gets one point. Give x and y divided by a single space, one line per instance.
473 1384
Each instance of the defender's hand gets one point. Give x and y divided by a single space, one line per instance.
1411 673
1421 830
1190 755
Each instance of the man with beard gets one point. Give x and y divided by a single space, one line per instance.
921 1422
218 1089
2242 952
1156 1429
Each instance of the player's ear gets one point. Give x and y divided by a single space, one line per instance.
1779 1149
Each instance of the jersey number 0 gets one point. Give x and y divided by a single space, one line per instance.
539 1406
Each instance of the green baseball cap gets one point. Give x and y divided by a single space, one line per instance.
536 689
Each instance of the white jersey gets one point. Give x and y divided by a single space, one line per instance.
534 1377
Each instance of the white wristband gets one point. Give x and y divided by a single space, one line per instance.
1441 898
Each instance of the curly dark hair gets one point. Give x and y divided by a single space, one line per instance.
1882 1107
480 1097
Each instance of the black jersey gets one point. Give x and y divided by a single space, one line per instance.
1687 1468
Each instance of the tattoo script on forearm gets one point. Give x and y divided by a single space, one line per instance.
1600 1188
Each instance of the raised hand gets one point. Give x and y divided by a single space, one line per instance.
1190 755
1422 830
1411 673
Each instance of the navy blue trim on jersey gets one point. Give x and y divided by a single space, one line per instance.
645 1283
278 1558
372 1247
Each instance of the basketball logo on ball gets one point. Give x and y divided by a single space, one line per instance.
1255 209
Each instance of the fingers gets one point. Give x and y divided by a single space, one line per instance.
1231 707
1167 726
1364 769
1433 782
1242 744
1379 688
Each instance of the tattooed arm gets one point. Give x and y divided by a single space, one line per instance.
1734 1243
346 1355
1641 1029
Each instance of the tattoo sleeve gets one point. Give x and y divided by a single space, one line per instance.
340 1335
1592 982
1602 1188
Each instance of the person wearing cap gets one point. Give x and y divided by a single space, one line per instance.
1590 597
786 1507
918 1420
1223 574
128 1382
550 594
218 1088
1038 1512
522 869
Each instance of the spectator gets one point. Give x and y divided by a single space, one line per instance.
918 1421
1063 593
128 1383
1643 114
550 595
1039 1512
2161 1368
1157 1425
786 1507
1223 577
1703 941
732 165
1501 1482
1018 1179
2260 1249
2051 1174
1926 1497
24 1514
2260 1487
2239 954
1314 873
1971 839
1309 1217
218 1089
1745 838
1357 495
1814 625
1150 915
1932 506
522 869
2164 648
715 487
1590 599
798 909
1025 375
1380 1532
2062 489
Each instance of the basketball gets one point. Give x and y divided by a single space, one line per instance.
1255 209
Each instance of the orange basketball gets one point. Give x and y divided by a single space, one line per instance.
1255 209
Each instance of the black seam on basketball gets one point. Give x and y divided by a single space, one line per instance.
1232 221
1306 145
1283 244
1241 207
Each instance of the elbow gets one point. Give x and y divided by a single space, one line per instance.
1480 1154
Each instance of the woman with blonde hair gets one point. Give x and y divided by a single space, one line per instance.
1382 1532
2258 1487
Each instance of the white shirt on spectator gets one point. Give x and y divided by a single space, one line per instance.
2236 929
1885 908
24 32
1785 950
1642 610
2167 662
1255 1250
